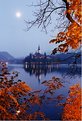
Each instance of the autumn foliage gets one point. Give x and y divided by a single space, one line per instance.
69 18
71 37
10 94
17 99
73 105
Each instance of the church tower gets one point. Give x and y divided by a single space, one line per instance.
38 49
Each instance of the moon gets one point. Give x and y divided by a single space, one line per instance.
18 14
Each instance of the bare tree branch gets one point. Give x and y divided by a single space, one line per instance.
43 17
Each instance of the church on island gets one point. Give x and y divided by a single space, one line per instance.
38 59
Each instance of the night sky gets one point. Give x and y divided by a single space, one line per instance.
13 37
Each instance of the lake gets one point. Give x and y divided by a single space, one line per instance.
68 75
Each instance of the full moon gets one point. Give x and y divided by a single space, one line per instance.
18 14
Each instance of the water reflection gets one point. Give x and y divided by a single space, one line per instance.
64 69
30 75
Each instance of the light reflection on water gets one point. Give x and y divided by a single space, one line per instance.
34 77
68 75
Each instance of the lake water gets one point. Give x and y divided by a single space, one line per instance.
68 74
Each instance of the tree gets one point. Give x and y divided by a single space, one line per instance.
69 12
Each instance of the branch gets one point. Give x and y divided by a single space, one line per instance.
67 14
43 16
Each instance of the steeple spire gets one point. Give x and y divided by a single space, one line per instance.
38 48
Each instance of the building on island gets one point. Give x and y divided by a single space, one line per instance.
37 59
38 63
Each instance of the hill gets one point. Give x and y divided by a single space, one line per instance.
5 56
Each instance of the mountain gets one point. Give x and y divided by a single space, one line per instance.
5 56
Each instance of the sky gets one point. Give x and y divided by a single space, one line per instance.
13 37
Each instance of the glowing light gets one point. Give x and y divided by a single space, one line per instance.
18 14
17 112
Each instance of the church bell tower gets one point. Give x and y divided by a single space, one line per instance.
38 49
